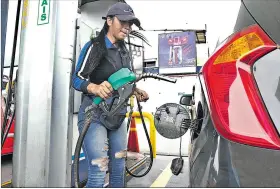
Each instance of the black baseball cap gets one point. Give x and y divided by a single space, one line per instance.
123 12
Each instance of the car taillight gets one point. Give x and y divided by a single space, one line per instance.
237 109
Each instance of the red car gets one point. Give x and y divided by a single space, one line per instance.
9 143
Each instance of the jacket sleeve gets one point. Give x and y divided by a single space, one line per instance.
80 82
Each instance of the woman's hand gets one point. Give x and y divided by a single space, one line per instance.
104 90
141 95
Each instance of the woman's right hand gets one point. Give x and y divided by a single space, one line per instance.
104 90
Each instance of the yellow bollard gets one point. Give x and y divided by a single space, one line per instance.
150 117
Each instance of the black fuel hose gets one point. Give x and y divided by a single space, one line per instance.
154 76
79 147
138 78
149 141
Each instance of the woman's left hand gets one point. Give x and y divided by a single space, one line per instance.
141 95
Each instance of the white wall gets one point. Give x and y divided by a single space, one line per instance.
202 53
91 16
161 92
137 60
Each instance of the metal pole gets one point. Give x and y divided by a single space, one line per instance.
4 20
62 101
43 132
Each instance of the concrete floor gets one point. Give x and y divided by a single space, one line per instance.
159 164
6 168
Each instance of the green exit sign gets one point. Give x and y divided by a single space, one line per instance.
43 12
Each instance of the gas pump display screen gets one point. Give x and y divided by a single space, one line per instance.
177 52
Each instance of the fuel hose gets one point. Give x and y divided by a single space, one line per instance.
83 134
88 121
138 78
149 142
79 146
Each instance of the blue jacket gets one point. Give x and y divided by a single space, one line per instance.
79 81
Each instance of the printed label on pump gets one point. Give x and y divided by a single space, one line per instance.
43 12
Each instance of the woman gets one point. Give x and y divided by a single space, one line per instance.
105 149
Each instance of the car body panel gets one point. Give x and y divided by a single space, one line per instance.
211 164
268 17
217 162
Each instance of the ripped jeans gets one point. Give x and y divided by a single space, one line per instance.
104 150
